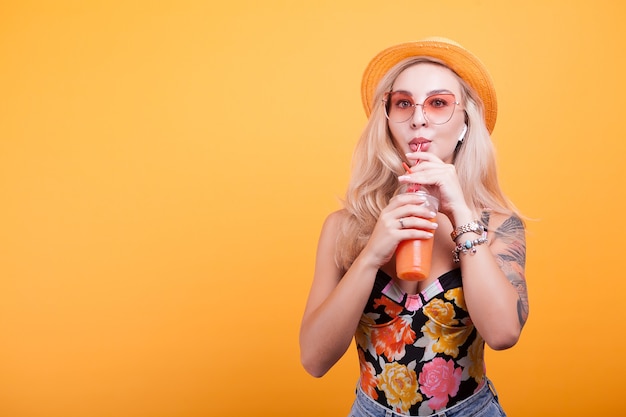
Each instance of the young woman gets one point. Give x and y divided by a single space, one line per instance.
432 105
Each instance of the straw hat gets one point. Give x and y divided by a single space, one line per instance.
459 59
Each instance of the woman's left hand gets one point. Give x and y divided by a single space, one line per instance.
442 180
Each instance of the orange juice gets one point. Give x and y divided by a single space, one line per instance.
413 256
413 259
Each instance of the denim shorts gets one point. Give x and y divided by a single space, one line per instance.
482 404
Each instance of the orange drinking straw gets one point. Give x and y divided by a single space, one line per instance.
414 187
408 170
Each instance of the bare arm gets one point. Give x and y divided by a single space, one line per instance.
494 283
334 305
512 260
336 302
493 278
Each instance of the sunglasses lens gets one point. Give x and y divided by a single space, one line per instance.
439 108
400 106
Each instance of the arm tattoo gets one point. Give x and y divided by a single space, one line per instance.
513 259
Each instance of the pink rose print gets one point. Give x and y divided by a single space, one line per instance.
439 380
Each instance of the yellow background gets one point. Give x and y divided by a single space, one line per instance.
165 167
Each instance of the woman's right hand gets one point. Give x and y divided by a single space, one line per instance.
405 217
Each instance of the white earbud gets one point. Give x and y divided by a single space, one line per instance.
462 136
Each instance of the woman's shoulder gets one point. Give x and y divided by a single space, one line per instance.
336 218
506 223
334 223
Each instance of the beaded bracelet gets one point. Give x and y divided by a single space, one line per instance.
473 226
468 246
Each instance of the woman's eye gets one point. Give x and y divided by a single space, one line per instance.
403 104
438 102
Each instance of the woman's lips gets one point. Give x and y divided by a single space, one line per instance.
419 143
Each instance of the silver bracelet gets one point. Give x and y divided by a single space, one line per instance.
468 246
473 226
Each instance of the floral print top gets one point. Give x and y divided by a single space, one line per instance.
419 353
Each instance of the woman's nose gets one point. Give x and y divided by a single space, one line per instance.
418 119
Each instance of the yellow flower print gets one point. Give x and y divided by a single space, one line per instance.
440 327
432 330
400 386
363 333
451 339
475 353
456 295
441 312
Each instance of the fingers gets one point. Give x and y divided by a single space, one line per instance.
413 218
406 199
419 157
408 212
419 223
442 181
428 173
426 162
409 205
406 217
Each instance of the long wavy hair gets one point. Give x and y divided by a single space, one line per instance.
377 163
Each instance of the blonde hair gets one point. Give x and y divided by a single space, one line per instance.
376 164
